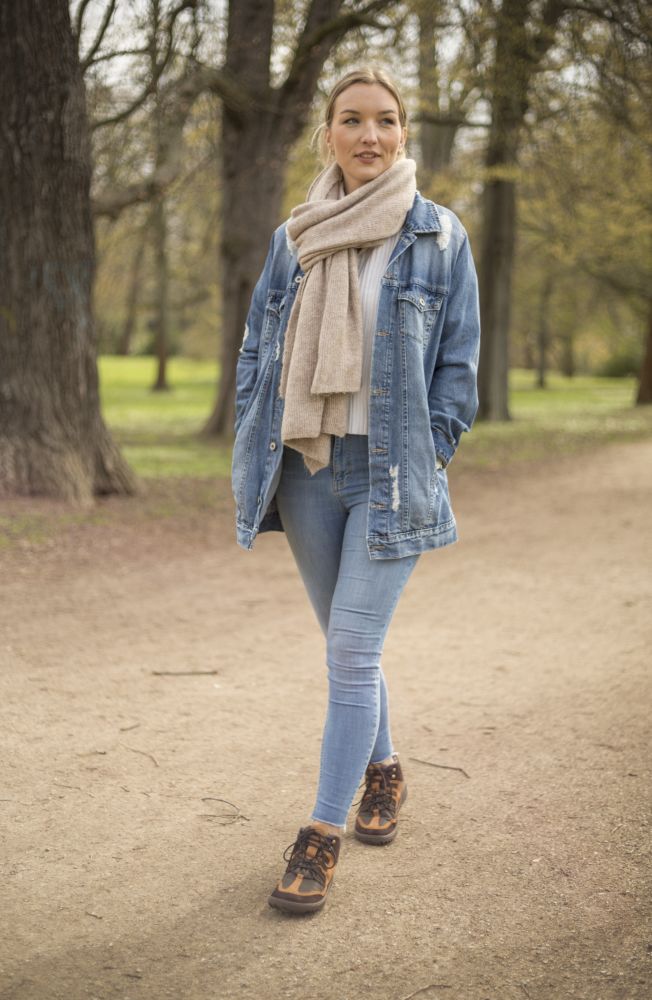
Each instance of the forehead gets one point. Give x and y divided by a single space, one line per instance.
369 97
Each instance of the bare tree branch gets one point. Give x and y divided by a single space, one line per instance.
233 92
159 68
121 116
178 98
636 27
458 120
105 56
316 36
106 20
79 18
171 21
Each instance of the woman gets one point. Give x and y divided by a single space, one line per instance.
355 381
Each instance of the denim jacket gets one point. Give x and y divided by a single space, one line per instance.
423 386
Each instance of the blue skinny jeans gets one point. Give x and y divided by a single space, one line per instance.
354 597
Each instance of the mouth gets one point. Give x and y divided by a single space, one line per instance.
367 157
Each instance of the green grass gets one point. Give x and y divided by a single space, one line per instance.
569 415
158 431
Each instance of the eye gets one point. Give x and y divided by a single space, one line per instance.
390 121
347 120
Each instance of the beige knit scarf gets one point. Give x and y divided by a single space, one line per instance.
322 356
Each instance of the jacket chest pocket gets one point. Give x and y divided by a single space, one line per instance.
418 309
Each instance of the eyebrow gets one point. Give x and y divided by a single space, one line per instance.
351 111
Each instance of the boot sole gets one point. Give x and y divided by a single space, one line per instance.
381 838
290 906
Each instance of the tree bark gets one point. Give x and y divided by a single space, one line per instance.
124 347
252 185
509 105
161 323
52 437
543 331
259 129
567 365
644 394
436 139
518 54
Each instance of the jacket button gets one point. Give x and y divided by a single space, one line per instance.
272 446
422 302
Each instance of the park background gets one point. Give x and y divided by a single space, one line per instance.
147 151
190 125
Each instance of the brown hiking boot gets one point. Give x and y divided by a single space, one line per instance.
307 879
384 794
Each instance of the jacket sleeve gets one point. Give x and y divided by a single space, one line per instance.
247 367
453 393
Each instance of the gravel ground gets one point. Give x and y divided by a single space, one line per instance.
144 814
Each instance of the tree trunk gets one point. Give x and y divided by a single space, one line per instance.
253 191
124 346
52 437
567 365
159 231
519 51
496 262
436 139
255 144
250 190
543 331
509 104
644 394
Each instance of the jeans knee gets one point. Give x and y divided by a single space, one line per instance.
349 662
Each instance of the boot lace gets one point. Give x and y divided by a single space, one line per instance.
314 867
378 793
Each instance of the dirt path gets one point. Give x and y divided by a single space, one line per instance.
521 655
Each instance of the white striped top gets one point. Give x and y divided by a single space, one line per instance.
372 264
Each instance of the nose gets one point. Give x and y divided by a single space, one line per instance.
370 134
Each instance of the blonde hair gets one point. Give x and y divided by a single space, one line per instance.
366 74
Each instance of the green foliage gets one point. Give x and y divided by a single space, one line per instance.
626 361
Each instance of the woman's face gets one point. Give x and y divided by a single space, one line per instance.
365 134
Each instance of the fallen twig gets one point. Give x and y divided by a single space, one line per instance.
184 673
90 913
125 729
445 767
230 819
430 986
143 753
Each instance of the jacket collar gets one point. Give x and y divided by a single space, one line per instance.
423 217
